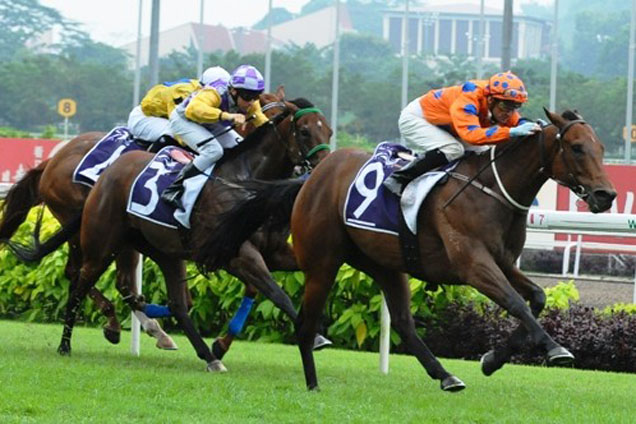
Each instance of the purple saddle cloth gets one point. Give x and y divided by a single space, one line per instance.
369 204
117 142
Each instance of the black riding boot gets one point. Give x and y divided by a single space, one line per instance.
432 159
172 194
164 140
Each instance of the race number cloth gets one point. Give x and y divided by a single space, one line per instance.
144 200
369 205
118 141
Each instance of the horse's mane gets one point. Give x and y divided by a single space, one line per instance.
253 137
302 102
571 115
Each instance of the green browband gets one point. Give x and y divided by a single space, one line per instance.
305 111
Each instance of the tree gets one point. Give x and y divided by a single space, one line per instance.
23 20
278 15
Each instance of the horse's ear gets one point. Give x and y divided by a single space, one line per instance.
554 118
578 115
280 91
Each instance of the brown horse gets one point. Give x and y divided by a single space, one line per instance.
272 151
51 183
473 239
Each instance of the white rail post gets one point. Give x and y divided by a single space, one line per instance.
135 326
565 268
634 295
385 336
577 255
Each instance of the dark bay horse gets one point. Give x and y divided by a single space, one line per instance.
51 183
475 239
272 151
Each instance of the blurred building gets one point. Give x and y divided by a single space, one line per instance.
453 29
217 38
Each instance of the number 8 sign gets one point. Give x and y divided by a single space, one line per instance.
66 107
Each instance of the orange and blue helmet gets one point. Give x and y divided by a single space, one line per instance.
507 86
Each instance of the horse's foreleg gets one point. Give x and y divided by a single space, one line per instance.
175 275
398 297
480 271
127 262
531 292
222 344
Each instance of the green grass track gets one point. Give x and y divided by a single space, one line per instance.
104 383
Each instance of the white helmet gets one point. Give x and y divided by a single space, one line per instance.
213 74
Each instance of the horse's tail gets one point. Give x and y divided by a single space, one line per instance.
22 196
39 250
266 202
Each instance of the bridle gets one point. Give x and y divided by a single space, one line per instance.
576 187
305 153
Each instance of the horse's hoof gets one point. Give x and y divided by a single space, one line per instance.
216 366
313 388
218 350
165 342
489 363
321 342
560 356
452 384
64 350
113 336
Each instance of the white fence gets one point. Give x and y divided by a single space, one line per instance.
577 223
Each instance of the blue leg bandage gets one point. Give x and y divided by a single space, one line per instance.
157 311
237 323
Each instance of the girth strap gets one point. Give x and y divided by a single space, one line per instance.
410 247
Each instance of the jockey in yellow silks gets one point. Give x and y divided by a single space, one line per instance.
205 120
149 120
442 123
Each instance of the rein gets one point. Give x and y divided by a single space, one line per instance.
507 199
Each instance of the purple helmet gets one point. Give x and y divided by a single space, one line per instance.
247 77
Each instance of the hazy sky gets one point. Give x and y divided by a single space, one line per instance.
115 21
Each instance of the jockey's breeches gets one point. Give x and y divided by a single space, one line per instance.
214 135
148 128
421 136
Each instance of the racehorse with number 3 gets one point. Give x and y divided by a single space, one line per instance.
473 238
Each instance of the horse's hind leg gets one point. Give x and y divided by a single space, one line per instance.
398 296
112 329
318 282
495 359
127 261
88 275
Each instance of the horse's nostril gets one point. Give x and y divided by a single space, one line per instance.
605 195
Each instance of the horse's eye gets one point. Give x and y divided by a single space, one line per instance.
304 132
577 149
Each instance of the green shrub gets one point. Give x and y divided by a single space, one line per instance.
13 133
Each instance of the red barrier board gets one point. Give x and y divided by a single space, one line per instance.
18 155
624 179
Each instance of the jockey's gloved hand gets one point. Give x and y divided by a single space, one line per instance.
236 118
522 130
541 122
